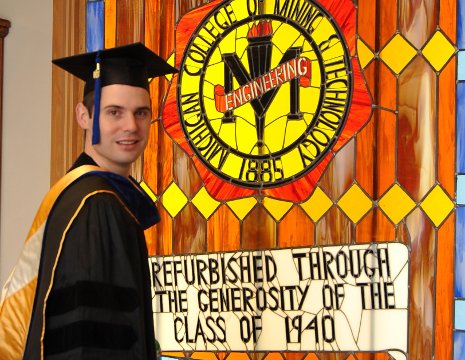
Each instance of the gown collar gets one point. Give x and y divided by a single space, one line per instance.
137 200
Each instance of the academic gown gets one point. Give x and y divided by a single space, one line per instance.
93 297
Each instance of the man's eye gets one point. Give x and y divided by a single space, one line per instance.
113 112
142 114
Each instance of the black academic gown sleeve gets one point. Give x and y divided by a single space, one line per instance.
99 304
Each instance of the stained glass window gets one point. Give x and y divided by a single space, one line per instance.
393 173
94 25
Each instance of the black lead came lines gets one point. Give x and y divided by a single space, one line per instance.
223 268
260 267
249 281
319 264
204 290
286 298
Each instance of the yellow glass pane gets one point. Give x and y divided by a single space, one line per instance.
148 190
173 199
397 53
317 205
242 207
396 204
355 203
170 61
437 205
364 53
277 208
438 50
110 23
205 203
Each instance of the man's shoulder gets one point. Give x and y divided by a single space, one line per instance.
89 180
103 184
88 184
92 192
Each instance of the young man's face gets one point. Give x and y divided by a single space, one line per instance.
125 117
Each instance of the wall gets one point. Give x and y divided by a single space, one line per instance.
26 122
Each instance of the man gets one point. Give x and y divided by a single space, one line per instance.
82 289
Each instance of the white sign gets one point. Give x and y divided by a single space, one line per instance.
331 298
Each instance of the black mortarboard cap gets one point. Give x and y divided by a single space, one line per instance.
132 65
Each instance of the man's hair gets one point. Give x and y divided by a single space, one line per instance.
88 102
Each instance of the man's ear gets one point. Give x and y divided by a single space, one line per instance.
82 116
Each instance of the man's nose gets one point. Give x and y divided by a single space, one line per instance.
130 123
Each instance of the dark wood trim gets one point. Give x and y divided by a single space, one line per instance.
4 29
68 39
